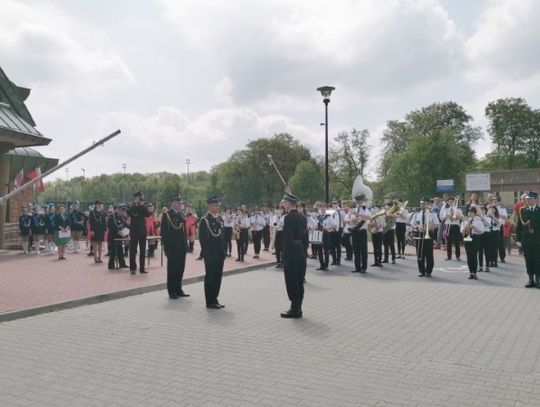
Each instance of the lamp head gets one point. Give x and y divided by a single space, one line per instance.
326 91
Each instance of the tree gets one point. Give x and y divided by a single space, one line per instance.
426 122
348 158
514 128
414 172
307 181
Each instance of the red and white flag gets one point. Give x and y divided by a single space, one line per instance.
33 175
19 179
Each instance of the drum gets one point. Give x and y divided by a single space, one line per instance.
315 237
124 232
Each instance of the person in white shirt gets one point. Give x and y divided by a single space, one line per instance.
346 236
401 230
258 222
359 234
424 244
241 228
472 230
266 235
277 222
228 222
484 251
335 235
503 213
327 225
452 216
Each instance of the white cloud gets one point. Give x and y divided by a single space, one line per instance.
506 43
57 55
284 47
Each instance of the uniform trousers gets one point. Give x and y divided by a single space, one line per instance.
377 241
347 244
176 262
137 240
212 278
401 229
324 249
256 235
471 249
483 250
493 246
116 251
278 245
453 238
531 252
266 237
335 246
294 268
502 246
228 239
424 256
359 240
389 248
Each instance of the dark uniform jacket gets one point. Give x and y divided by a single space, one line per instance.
528 226
115 223
61 221
98 224
77 219
294 229
138 214
211 237
25 221
38 224
174 232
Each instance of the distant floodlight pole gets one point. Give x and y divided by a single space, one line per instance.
83 174
326 91
67 174
188 161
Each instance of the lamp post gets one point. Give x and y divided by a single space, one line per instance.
124 166
326 92
188 161
67 174
83 174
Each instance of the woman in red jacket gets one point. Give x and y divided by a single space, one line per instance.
191 226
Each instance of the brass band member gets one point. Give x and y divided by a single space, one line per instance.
484 252
376 228
137 213
241 227
401 230
228 223
346 236
388 235
277 223
335 235
424 223
359 234
117 229
494 234
452 216
328 225
472 229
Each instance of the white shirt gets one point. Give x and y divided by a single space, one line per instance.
313 221
339 218
446 216
242 221
402 216
362 212
278 220
228 220
258 222
328 223
416 220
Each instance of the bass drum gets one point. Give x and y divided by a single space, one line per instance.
315 237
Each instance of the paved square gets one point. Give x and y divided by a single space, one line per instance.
385 338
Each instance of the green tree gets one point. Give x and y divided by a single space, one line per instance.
514 128
348 158
414 172
307 181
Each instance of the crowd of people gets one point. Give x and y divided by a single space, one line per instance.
485 231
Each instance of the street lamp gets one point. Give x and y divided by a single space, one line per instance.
188 161
83 174
124 165
67 173
326 92
124 168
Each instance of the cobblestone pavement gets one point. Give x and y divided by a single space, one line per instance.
31 281
384 338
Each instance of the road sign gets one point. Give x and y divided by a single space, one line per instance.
478 181
445 185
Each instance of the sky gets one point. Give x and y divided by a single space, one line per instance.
199 79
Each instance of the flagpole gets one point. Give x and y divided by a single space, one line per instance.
24 187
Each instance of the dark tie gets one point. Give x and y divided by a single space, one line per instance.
423 218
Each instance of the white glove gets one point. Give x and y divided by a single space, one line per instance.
518 244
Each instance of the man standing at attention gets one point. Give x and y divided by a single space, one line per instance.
212 239
294 256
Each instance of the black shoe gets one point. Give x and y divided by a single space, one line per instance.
333 263
220 305
338 263
355 271
183 294
458 258
503 261
471 277
384 261
448 258
174 297
265 249
320 268
428 274
530 284
363 271
144 272
132 272
422 275
125 266
375 265
110 267
290 313
213 306
393 262
486 270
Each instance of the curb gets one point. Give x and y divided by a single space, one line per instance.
96 299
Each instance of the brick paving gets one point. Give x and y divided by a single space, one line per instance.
384 338
28 281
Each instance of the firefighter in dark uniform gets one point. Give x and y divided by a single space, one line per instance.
212 240
137 215
528 237
174 238
294 255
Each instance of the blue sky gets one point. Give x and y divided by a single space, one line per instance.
199 79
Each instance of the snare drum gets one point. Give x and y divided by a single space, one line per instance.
315 237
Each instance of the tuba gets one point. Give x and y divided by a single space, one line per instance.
390 220
372 226
359 188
